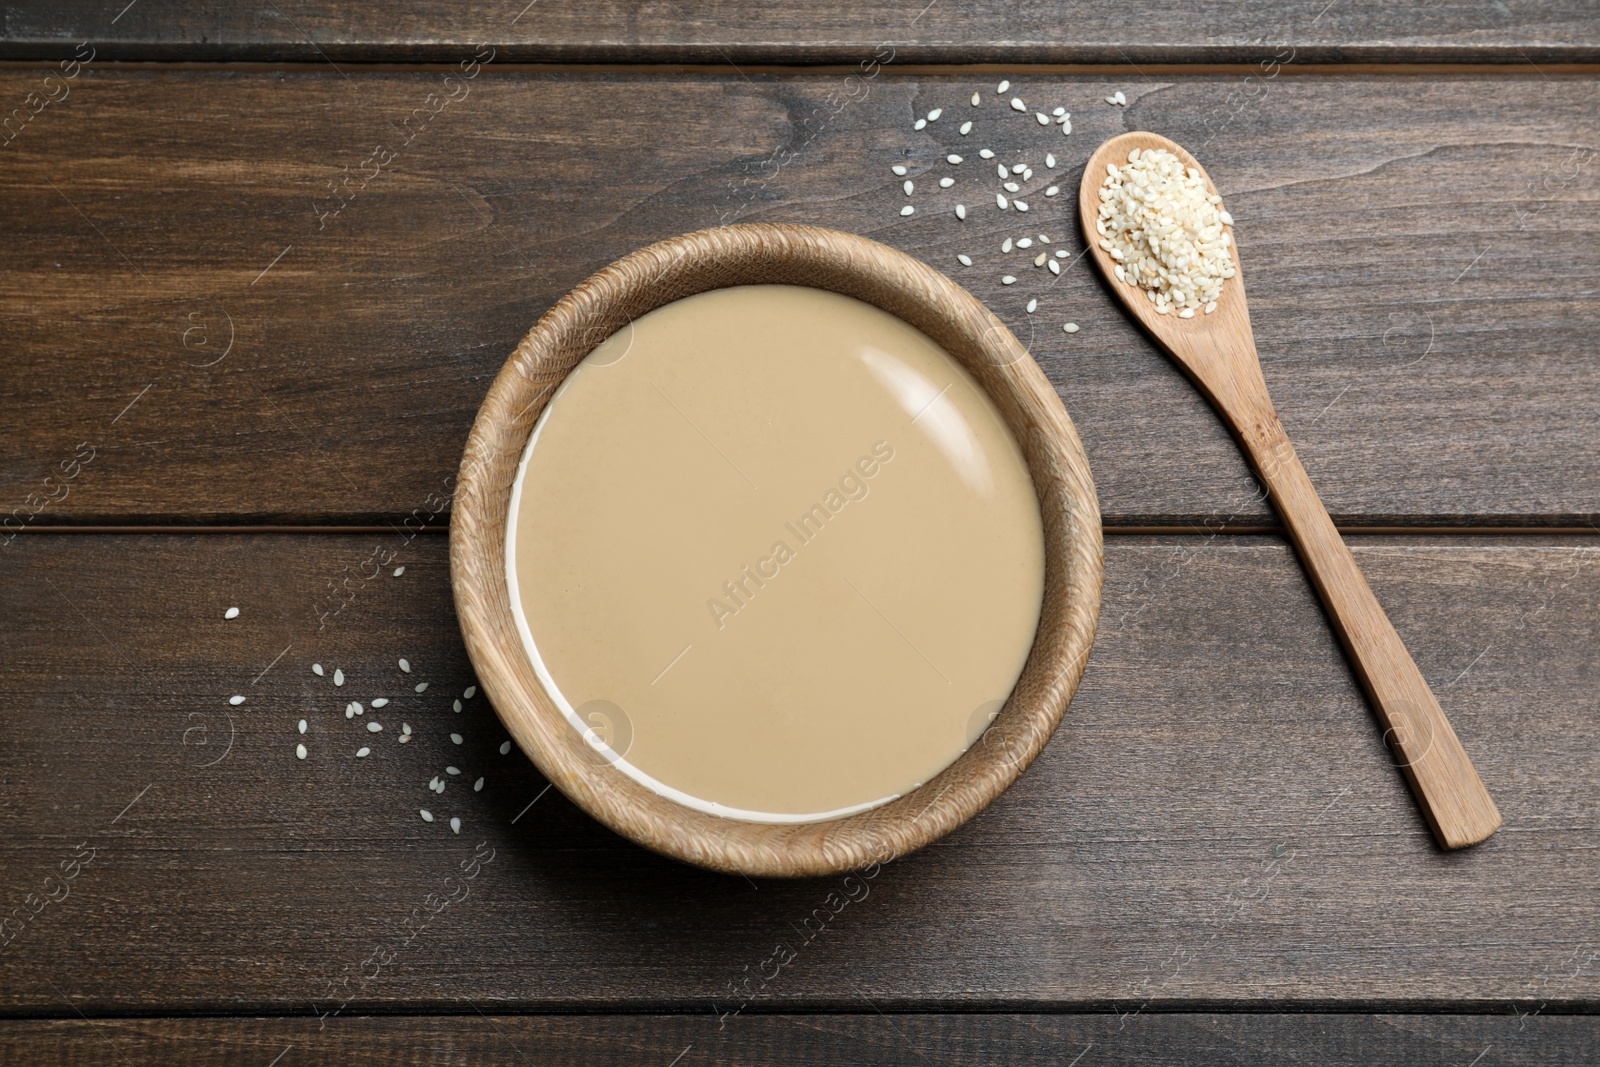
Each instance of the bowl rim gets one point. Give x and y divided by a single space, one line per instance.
774 253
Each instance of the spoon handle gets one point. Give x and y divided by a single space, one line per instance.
1439 771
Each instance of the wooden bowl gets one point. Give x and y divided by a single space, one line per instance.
952 317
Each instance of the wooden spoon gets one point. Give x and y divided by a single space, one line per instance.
1218 353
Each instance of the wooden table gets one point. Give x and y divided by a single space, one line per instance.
258 268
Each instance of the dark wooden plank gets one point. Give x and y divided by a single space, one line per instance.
1421 273
819 31
1216 826
867 1040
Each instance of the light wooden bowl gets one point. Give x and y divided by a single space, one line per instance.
952 317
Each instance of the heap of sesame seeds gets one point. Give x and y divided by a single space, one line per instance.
1167 232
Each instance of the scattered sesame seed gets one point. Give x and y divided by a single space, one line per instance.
907 210
363 752
302 726
338 676
1017 104
1025 242
1111 100
471 691
1227 219
477 787
405 728
403 738
976 99
1018 168
1186 313
1044 120
1005 246
1071 327
964 260
374 727
1002 87
966 128
1022 205
1050 161
1000 169
231 613
381 702
933 116
1038 261
945 183
984 153
300 752
909 186
455 824
456 739
1053 190
1061 253
1121 100
961 211
236 700
1000 201
422 687
1008 280
398 571
505 747
452 770
316 669
920 124
1066 128
1055 267
1058 112
1044 238
405 665
899 170
1211 307
953 159
354 708
427 816
456 706
1033 305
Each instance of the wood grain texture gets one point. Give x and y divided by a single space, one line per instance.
1418 273
819 31
863 1040
764 254
1217 351
1215 824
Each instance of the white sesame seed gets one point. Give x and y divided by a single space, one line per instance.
984 153
1055 268
909 186
422 687
1044 238
338 676
1227 219
1033 305
920 124
354 708
505 746
236 700
976 99
380 702
1050 161
1044 120
961 211
1026 242
398 571
1018 168
1071 327
1186 313
1111 100
1058 112
945 183
1061 253
363 752
477 787
403 738
1022 205
300 752
427 816
1002 87
316 669
1005 246
1008 280
1027 174
953 159
933 116
374 727
1121 100
964 260
302 726
404 664
452 770
898 169
455 824
231 613
907 210
456 706
1211 307
1052 191
1038 261
1000 169
405 727
1017 104
1000 201
456 739
471 691
966 128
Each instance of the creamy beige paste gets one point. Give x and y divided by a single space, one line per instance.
775 554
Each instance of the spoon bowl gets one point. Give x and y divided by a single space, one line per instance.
1217 352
